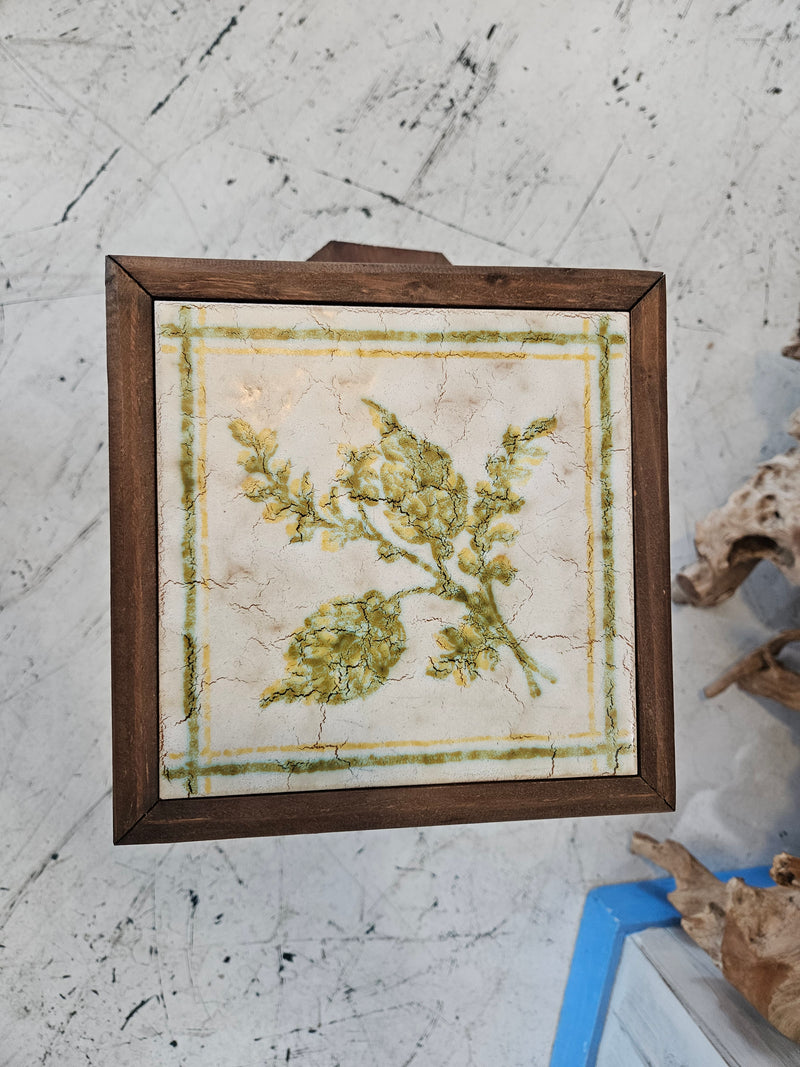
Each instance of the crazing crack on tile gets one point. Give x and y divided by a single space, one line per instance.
534 589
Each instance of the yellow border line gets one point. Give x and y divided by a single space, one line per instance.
203 349
585 357
202 482
591 605
349 746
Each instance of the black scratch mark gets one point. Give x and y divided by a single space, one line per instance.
138 1007
586 203
168 97
464 59
50 566
387 196
11 905
732 9
227 29
89 184
398 202
234 21
459 111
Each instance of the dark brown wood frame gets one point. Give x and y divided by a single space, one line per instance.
133 284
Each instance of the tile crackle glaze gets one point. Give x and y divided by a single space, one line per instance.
395 546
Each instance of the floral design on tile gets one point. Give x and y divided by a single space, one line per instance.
394 546
346 648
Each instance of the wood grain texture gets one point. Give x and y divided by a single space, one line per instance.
762 674
349 252
373 809
134 577
669 995
651 542
751 933
134 282
403 284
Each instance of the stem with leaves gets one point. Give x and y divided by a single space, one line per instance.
347 647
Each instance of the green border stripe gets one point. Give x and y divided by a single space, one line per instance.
461 337
607 537
334 763
192 686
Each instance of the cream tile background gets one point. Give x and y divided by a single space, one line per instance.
651 134
255 589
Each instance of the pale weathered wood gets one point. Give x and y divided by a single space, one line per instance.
762 674
785 869
670 1005
792 350
761 520
753 935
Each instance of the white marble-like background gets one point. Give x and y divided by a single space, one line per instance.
648 133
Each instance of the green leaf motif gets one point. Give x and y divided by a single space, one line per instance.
466 651
358 476
345 650
512 464
427 499
269 482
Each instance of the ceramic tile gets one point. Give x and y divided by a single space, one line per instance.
395 546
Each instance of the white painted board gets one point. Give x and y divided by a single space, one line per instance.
671 1006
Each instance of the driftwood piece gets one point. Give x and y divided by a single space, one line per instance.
753 935
792 350
785 869
763 675
761 520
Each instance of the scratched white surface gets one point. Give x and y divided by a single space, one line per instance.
648 134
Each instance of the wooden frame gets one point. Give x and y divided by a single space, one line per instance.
133 285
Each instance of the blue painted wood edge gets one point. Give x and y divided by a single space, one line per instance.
610 913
